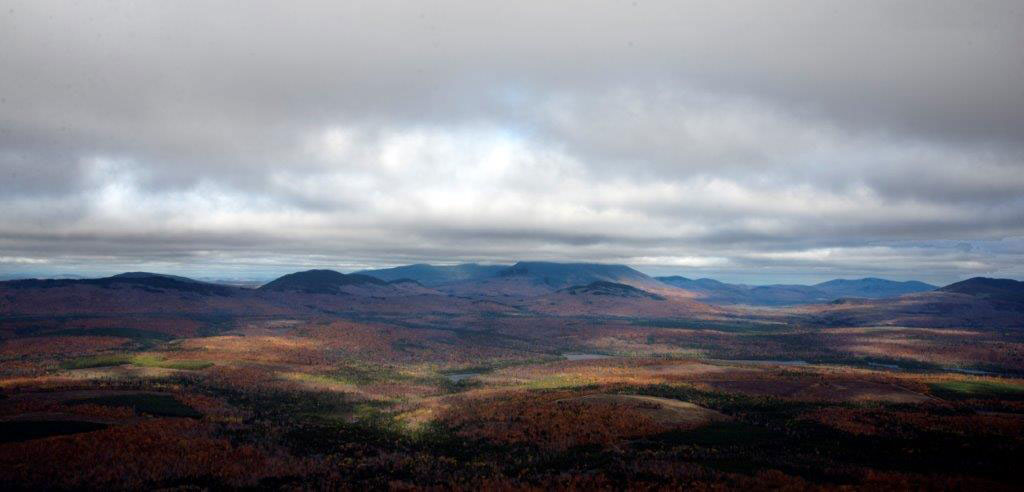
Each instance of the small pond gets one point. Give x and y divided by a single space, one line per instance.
976 372
459 376
892 367
583 356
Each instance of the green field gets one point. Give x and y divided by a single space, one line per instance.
109 360
964 390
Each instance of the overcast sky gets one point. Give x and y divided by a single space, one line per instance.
748 141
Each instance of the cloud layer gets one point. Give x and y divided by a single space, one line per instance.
754 141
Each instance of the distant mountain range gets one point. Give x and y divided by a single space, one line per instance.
535 278
979 302
430 275
541 287
538 277
553 275
563 275
145 280
715 292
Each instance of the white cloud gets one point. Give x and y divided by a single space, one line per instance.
22 260
567 132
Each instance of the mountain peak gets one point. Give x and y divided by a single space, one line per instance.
561 275
1002 289
319 282
604 288
673 278
432 275
145 275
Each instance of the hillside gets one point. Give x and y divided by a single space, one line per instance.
136 292
715 292
602 288
535 278
603 298
430 275
872 288
711 290
999 289
144 280
320 282
562 275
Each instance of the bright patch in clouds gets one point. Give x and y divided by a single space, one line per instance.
713 150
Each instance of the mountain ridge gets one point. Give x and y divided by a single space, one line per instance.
1001 289
717 292
432 275
605 288
319 281
146 280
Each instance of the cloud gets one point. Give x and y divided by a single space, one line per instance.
723 138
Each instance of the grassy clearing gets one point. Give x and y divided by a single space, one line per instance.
154 361
106 360
160 405
498 364
356 375
352 375
963 390
110 360
361 375
558 382
314 378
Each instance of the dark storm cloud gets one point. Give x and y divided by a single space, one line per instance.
734 136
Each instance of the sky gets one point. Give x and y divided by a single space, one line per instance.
749 141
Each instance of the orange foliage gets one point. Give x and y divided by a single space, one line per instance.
136 456
550 420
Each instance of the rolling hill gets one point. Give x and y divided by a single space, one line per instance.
715 292
603 288
321 282
872 288
604 298
135 292
430 275
534 278
999 289
144 280
570 274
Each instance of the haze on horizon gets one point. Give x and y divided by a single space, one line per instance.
750 141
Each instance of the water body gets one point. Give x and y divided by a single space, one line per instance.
893 367
770 362
460 376
583 356
976 372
